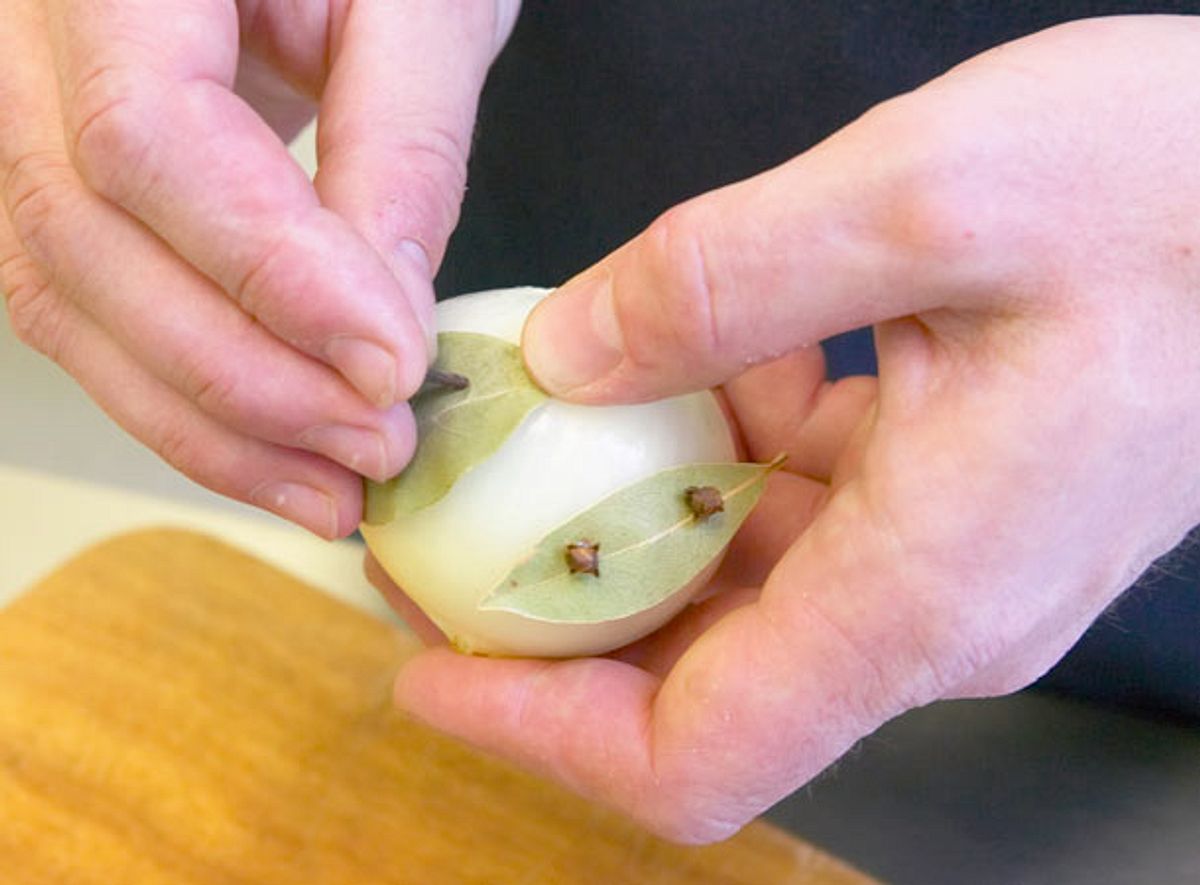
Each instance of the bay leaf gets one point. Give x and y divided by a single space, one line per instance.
456 429
650 544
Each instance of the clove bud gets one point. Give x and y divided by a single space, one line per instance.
703 501
583 558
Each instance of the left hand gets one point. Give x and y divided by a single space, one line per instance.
1023 235
258 330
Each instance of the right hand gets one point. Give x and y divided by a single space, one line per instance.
1022 235
259 331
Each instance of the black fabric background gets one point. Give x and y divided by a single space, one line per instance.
600 115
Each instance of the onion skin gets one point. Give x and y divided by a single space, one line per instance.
560 461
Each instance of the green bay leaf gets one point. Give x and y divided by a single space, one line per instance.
456 429
650 541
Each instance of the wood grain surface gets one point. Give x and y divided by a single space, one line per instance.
174 711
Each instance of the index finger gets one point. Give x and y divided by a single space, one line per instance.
153 125
397 115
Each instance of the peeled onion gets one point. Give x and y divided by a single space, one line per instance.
562 459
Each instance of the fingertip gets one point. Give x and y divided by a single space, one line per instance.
573 339
387 375
369 367
420 681
384 378
305 505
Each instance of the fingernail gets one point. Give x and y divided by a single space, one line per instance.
359 448
413 252
367 366
317 511
573 337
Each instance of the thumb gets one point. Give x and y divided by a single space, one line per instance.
842 237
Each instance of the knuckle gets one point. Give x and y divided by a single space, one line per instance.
438 180
947 661
28 299
35 314
424 172
429 170
689 808
37 317
686 280
217 390
189 442
174 442
224 389
111 131
274 278
937 182
37 191
937 216
944 642
442 154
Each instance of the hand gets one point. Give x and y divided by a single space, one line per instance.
259 331
1023 235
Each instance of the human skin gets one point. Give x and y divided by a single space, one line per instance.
259 331
1022 234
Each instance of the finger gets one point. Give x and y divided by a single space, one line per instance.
789 504
401 604
194 339
303 488
396 121
592 737
786 406
872 224
167 316
284 108
658 653
153 125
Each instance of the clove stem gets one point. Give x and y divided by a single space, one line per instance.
440 379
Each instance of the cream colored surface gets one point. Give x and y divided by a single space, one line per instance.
45 519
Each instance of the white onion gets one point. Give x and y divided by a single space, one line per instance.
560 461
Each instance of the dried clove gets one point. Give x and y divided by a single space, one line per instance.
703 501
583 558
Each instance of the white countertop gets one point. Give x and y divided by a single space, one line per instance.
46 519
69 478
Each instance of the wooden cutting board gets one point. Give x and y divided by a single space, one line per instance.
175 711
